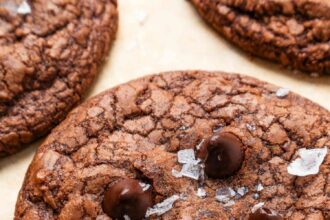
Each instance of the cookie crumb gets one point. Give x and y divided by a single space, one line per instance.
257 206
282 92
162 207
223 195
24 8
308 163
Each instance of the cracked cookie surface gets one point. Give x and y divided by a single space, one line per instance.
50 53
295 33
136 129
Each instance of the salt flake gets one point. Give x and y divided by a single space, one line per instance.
224 194
162 207
144 186
259 187
282 92
308 163
201 192
198 147
176 173
229 203
183 196
256 196
24 8
191 171
126 217
250 127
241 191
257 206
186 156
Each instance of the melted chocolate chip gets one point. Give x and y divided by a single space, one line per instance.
126 197
265 214
222 154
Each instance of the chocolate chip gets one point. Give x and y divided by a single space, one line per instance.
222 154
127 198
265 214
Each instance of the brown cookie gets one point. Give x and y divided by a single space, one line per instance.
295 33
50 52
135 146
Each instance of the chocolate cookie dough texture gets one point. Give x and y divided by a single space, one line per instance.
184 145
50 52
295 33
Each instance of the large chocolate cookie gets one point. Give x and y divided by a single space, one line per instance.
50 52
184 145
295 33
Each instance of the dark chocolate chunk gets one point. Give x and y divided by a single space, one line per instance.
222 154
265 214
127 198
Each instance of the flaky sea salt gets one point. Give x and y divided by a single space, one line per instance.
126 217
191 167
229 203
201 192
224 194
144 186
259 187
162 207
186 156
241 191
308 162
198 147
24 8
176 173
282 92
257 206
256 196
191 171
184 196
250 127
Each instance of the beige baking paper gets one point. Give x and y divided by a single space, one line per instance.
163 35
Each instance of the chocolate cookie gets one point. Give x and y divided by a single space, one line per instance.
50 53
184 145
295 33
